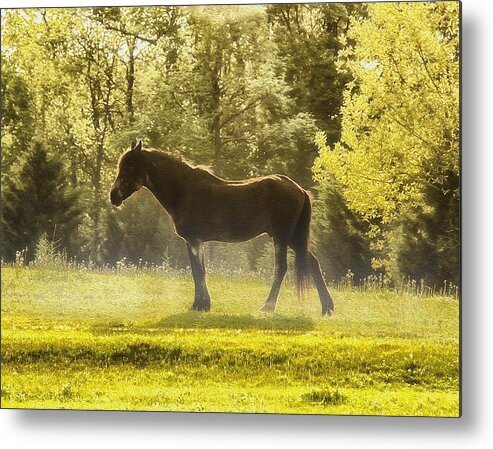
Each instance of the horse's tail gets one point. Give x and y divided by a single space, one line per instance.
301 239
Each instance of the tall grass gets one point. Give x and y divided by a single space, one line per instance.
48 255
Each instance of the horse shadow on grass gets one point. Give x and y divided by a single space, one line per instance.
197 320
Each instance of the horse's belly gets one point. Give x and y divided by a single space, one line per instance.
226 216
229 237
222 229
234 230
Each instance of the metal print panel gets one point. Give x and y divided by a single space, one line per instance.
237 208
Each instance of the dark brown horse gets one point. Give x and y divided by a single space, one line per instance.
205 207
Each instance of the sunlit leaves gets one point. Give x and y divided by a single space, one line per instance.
400 115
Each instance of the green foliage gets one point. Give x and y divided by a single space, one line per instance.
47 255
400 133
223 93
39 201
245 89
339 235
17 117
287 147
426 242
204 82
308 37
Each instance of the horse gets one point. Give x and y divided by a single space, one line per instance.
205 207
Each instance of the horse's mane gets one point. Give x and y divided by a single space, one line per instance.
165 159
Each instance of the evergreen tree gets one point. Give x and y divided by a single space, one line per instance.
339 236
309 41
142 232
426 241
38 200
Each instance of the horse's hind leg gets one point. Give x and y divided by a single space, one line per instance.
281 266
196 254
323 292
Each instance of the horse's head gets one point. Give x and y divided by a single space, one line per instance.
130 175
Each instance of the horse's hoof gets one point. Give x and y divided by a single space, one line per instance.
327 311
267 308
201 307
327 306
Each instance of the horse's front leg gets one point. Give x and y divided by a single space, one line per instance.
281 266
196 254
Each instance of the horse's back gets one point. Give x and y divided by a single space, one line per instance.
270 182
275 199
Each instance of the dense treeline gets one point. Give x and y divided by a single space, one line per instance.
358 103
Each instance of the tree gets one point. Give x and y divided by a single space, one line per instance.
16 117
23 114
244 90
72 97
339 236
308 37
141 29
142 233
38 200
425 243
400 134
84 96
223 88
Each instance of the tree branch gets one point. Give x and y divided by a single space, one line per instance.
124 32
226 140
414 133
241 111
178 103
425 64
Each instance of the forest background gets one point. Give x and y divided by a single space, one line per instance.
357 102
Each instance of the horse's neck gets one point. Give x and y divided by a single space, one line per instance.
168 182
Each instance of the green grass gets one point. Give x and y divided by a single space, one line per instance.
91 340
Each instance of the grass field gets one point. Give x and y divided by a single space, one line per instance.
127 341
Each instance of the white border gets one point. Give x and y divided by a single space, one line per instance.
59 429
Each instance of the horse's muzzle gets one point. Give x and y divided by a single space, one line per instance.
116 198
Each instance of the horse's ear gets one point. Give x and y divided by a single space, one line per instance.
137 146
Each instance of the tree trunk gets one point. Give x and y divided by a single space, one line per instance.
130 81
216 127
216 111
